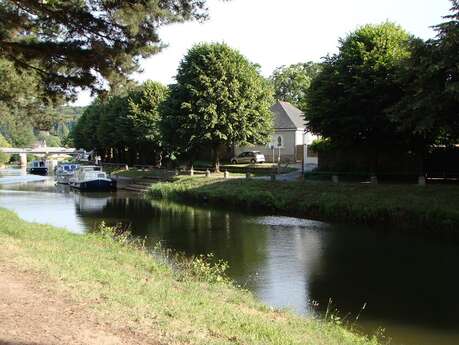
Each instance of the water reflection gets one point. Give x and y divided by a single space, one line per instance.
404 280
408 282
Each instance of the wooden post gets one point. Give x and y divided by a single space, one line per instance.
226 174
207 173
335 179
305 147
421 180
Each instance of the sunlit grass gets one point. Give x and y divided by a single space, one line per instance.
188 304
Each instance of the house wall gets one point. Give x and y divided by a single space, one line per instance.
310 157
299 137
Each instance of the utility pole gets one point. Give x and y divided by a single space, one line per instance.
305 147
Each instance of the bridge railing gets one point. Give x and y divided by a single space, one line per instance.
41 150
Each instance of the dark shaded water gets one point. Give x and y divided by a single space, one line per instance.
410 284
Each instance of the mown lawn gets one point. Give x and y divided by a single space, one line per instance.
176 301
419 208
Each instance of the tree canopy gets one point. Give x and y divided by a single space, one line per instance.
220 99
3 156
428 110
291 83
82 43
349 98
124 127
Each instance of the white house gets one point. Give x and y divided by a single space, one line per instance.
290 139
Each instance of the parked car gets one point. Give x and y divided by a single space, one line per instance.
249 157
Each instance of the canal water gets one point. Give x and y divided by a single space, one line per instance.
409 284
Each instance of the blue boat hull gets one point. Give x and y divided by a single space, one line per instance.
95 185
39 171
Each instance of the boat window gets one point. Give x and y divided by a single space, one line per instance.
42 164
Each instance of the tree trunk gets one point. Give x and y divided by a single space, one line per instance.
421 153
374 157
217 150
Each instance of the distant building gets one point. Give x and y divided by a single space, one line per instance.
290 139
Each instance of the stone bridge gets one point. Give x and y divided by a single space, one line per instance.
23 152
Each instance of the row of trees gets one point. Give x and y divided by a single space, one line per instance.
124 127
220 100
384 90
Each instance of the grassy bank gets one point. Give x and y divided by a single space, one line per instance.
140 173
188 304
429 208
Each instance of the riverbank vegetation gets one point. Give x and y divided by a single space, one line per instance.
432 208
176 301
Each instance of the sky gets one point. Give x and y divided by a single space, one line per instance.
273 33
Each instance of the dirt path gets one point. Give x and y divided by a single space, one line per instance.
31 314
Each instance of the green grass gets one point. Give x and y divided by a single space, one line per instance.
187 304
430 208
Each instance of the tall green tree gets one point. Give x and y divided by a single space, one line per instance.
348 100
220 100
291 83
428 112
144 117
85 132
81 43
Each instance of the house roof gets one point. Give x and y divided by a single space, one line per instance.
287 116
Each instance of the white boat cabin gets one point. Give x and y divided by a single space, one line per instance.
89 172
